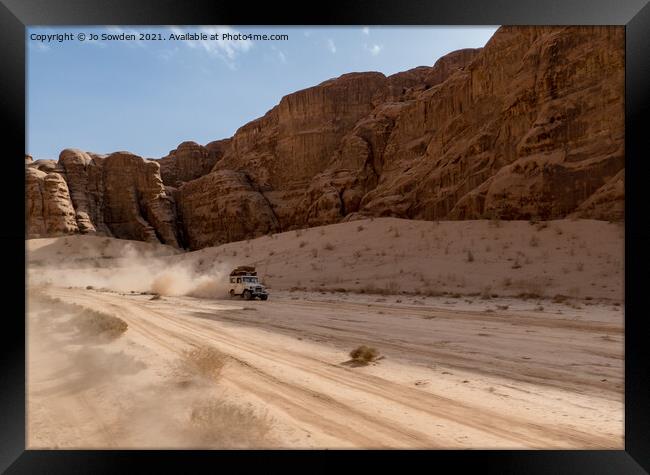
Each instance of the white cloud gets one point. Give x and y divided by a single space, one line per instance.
331 46
374 50
226 50
168 54
365 30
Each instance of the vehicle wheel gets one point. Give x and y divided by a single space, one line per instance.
232 293
264 297
247 295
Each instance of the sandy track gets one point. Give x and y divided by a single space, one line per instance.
451 378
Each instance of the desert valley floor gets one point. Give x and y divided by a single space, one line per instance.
490 334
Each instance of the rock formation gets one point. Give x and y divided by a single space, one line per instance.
530 126
118 195
49 208
190 161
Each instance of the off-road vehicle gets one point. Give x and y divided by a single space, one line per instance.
245 283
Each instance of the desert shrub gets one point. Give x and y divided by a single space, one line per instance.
534 241
302 244
205 360
364 354
360 228
328 246
155 297
98 324
392 286
470 256
486 293
314 253
559 298
224 425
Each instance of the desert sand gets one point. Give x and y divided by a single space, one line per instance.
491 334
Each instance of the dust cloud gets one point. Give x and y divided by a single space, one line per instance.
140 272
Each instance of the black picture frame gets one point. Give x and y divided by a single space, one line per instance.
15 15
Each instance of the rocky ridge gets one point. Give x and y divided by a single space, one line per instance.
530 126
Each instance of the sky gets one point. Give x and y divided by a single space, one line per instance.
148 96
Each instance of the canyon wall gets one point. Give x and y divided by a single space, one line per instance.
530 126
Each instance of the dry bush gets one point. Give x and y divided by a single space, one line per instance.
205 361
314 252
392 286
302 244
221 424
155 297
364 354
486 293
534 241
531 289
328 246
541 225
580 266
470 256
357 254
360 228
98 324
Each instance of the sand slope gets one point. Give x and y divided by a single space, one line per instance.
466 363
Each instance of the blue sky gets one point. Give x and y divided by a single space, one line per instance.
148 96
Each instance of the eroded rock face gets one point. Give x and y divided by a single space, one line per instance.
190 161
223 206
531 125
294 141
120 195
607 203
49 207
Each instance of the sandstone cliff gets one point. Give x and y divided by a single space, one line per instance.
118 195
531 125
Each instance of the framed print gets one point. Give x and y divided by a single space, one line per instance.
389 233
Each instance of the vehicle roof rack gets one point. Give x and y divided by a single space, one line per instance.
244 270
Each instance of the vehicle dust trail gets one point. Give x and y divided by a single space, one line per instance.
414 398
91 386
134 270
